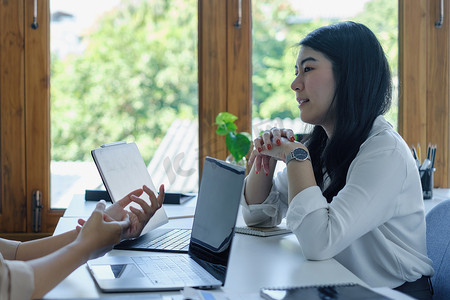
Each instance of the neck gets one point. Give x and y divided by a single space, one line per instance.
328 131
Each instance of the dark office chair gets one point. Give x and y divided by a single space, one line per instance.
438 246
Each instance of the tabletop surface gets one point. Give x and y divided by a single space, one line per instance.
255 262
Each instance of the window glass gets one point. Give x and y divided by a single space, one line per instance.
121 70
278 26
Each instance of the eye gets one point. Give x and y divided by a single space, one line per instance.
307 69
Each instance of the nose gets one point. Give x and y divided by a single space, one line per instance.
297 85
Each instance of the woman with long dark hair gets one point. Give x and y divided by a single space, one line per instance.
351 189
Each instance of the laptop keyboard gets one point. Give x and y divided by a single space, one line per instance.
177 239
174 270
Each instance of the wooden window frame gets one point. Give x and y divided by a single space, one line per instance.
224 68
25 120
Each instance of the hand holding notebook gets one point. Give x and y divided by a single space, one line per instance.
138 216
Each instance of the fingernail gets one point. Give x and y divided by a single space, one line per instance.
269 146
259 149
278 142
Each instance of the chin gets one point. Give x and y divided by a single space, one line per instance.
308 120
305 119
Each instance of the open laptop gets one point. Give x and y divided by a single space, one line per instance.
205 265
123 170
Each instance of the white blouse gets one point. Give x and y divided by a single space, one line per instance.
375 226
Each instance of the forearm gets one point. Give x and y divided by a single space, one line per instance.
258 186
41 247
53 268
300 177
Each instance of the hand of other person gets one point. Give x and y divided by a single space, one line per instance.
99 233
138 216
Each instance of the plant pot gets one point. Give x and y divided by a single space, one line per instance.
230 159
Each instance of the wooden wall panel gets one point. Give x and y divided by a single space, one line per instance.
13 210
424 81
212 75
240 69
413 70
224 71
437 98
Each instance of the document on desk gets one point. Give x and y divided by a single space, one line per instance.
126 297
264 231
123 170
351 291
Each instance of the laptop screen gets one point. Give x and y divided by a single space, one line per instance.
215 215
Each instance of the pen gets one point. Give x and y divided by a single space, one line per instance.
429 151
180 217
414 153
433 155
419 155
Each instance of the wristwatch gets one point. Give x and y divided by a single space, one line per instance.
298 154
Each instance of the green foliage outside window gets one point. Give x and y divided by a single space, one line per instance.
139 71
275 48
137 75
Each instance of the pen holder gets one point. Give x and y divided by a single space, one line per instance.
427 180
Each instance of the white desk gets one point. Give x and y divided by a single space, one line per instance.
255 262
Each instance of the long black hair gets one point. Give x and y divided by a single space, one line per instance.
363 92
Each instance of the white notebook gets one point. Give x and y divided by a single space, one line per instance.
263 231
123 170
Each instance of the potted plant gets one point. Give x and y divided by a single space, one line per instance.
238 143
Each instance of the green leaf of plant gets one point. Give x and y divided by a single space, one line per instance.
249 137
238 144
231 127
222 129
225 117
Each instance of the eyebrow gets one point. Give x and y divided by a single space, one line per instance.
307 59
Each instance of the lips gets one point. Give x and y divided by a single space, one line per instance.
302 101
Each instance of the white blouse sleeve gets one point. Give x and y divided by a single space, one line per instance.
376 179
16 277
273 209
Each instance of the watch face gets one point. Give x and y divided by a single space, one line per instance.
300 154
